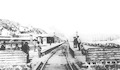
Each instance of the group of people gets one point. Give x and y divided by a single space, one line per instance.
4 46
77 42
24 47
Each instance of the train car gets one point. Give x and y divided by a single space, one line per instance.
11 57
108 55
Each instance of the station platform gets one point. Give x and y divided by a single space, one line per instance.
36 60
77 54
34 54
46 47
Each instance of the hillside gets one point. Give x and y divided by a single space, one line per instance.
15 27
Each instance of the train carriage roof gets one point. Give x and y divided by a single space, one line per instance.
21 38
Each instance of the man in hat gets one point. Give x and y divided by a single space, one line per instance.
79 43
39 49
25 48
75 42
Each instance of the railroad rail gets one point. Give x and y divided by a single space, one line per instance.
49 50
71 66
68 65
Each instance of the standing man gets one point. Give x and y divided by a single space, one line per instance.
34 43
75 42
25 48
79 43
39 49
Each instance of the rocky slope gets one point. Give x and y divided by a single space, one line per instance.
15 27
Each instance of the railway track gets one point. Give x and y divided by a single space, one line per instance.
57 60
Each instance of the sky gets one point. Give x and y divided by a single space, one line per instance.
88 17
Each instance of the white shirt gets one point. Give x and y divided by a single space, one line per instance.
79 40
